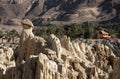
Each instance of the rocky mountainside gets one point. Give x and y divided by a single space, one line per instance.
59 58
59 11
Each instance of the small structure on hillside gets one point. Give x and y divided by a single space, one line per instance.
104 35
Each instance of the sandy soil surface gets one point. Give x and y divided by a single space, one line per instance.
7 27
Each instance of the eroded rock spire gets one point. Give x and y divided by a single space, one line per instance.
27 30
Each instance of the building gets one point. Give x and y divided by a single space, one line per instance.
104 35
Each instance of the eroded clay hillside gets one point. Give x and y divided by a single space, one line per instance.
59 11
59 58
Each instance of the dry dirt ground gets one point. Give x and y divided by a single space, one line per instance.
8 28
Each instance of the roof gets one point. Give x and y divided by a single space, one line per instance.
104 32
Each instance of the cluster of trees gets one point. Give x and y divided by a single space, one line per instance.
85 30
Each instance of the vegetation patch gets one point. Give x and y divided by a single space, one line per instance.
85 30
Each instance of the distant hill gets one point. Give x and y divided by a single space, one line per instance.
42 12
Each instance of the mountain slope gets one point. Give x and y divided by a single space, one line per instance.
70 11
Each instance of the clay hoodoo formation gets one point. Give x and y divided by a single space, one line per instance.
54 58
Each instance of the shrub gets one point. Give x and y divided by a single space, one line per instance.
85 30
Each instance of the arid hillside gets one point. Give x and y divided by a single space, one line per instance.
42 12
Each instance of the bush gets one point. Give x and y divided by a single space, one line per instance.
85 30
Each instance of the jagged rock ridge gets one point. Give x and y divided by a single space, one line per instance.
54 58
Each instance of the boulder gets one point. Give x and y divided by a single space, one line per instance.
6 59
